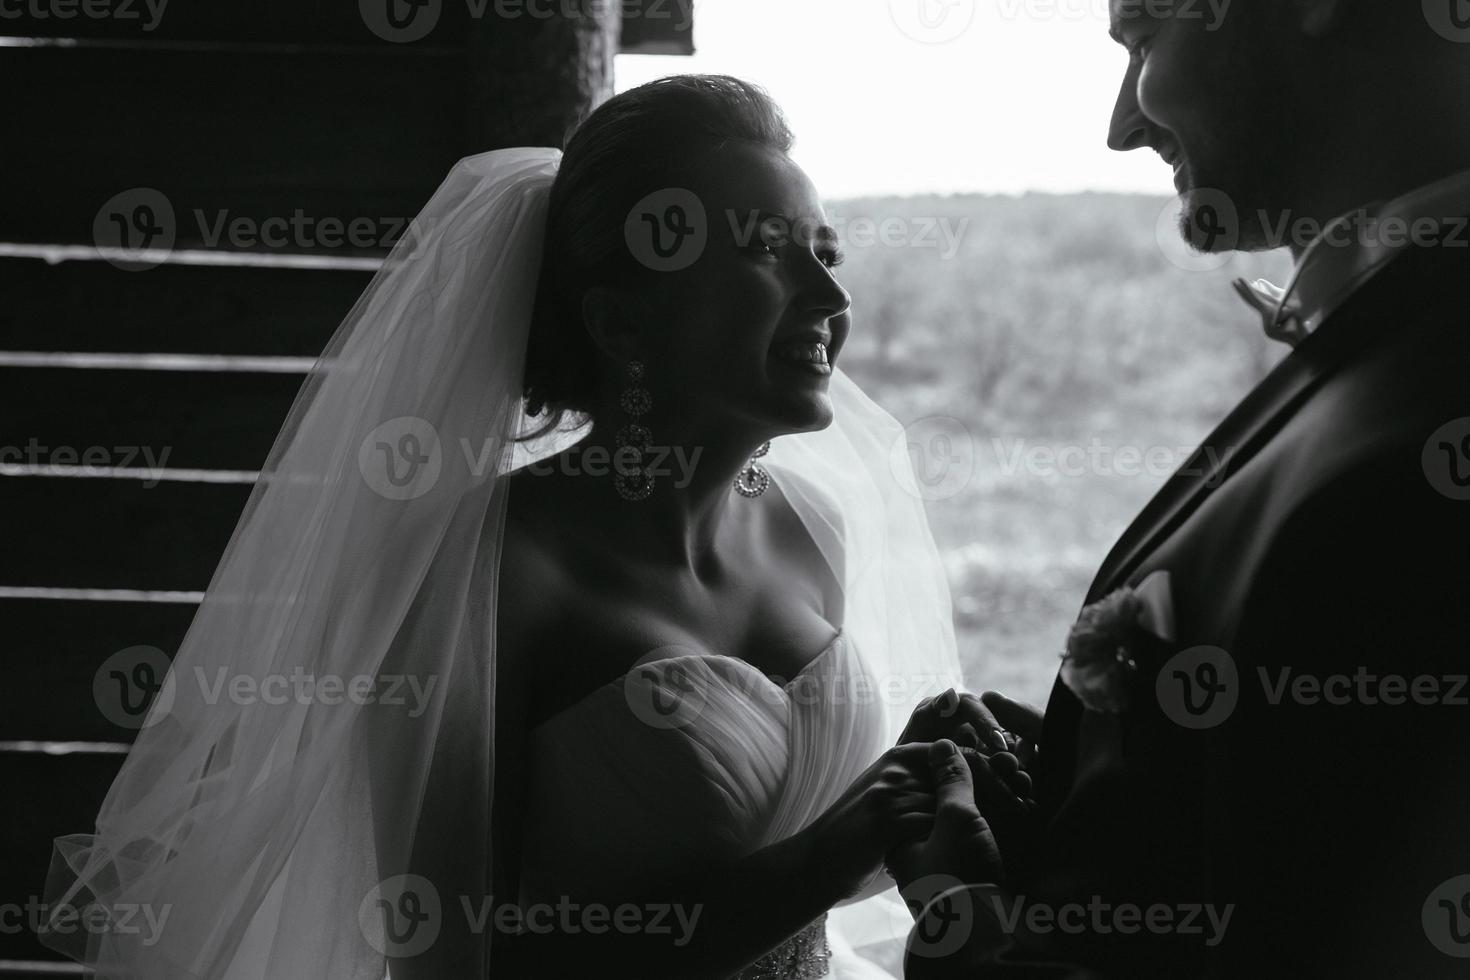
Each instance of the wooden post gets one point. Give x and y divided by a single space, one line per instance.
535 76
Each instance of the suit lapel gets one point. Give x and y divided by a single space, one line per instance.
1235 441
1230 445
1261 415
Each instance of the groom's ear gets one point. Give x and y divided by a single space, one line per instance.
1319 18
610 323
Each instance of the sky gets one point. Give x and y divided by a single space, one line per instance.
920 96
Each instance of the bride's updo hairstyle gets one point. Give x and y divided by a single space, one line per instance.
646 139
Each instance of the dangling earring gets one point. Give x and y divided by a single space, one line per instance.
753 480
632 479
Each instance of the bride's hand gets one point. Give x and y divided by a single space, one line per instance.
891 803
962 718
962 848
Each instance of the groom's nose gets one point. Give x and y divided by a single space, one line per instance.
1129 128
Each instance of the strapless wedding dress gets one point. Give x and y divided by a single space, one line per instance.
695 759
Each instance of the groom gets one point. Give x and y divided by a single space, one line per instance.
1279 785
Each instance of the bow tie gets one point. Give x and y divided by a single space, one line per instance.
1281 319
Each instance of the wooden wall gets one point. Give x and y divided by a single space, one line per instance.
123 126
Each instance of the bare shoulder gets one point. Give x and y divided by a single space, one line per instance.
533 580
815 551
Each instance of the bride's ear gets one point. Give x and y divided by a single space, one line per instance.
611 324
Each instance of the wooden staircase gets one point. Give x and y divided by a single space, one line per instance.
257 158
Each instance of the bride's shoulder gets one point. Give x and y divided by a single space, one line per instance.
810 511
803 521
553 566
532 562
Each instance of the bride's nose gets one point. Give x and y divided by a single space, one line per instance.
821 292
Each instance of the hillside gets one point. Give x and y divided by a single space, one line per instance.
1079 364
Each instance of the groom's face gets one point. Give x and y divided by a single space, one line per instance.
1204 89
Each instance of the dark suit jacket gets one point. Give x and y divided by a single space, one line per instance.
1319 545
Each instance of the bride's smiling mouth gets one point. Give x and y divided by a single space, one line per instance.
809 357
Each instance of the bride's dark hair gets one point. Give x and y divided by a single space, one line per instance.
645 139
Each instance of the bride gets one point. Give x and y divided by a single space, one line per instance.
593 681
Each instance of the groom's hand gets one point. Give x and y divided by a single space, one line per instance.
961 848
1021 720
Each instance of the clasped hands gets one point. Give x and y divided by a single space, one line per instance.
980 751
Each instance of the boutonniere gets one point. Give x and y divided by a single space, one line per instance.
1101 660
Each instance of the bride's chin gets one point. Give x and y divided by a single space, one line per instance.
813 416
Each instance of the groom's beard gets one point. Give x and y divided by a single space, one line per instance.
1247 154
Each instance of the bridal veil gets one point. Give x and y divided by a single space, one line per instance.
338 680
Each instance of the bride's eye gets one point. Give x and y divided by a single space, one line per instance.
832 257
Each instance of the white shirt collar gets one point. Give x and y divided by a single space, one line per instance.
1351 249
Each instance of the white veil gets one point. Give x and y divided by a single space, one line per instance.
338 680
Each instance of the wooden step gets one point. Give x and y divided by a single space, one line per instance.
95 306
148 420
72 788
114 534
53 651
200 151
